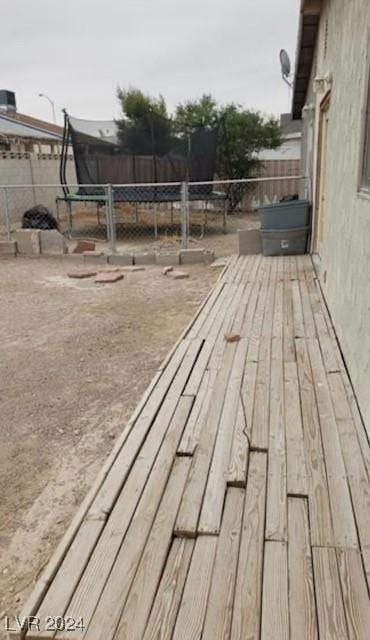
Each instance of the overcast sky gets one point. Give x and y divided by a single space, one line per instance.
78 51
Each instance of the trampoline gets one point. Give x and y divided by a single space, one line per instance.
144 166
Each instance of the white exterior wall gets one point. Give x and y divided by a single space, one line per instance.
345 253
289 150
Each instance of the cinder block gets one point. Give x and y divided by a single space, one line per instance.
219 263
191 256
28 241
95 257
52 243
8 248
208 256
168 259
144 258
249 242
74 258
123 259
84 245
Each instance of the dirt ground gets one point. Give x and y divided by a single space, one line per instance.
75 359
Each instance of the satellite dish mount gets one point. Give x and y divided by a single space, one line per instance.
285 68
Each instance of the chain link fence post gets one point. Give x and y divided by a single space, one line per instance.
184 215
111 222
6 211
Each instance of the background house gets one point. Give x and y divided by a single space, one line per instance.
22 133
331 95
29 155
284 161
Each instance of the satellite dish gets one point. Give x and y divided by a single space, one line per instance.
285 63
285 66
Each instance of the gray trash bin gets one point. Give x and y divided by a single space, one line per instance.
284 242
285 215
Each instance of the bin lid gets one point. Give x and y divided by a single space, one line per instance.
285 205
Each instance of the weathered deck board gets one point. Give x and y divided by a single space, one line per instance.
191 504
276 516
236 503
330 609
221 596
297 480
275 601
302 609
190 619
344 526
321 523
248 588
93 580
107 614
214 496
355 593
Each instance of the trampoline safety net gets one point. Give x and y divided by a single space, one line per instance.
143 154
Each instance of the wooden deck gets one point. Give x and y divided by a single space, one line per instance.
236 504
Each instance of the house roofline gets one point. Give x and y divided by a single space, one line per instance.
47 135
307 35
55 131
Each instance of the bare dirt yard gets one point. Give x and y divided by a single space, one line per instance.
75 358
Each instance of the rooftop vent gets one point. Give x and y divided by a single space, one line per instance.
7 101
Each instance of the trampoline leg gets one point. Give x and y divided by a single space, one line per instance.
136 213
171 213
69 206
98 213
155 223
225 217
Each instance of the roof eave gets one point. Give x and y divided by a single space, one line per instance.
307 36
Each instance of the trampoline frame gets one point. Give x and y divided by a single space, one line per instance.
102 200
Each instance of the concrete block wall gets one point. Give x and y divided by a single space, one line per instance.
30 169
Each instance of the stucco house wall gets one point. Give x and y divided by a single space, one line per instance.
342 50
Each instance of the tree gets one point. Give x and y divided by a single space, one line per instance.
144 127
242 134
196 113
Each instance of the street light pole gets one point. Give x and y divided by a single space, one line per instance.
43 95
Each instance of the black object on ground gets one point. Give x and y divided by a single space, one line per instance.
39 217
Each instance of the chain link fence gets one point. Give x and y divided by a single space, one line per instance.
141 217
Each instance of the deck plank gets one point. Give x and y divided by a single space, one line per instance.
138 604
188 516
213 499
276 516
298 323
190 619
167 600
104 621
261 406
330 608
289 347
221 596
321 523
248 588
275 601
297 479
344 525
355 593
302 608
136 495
